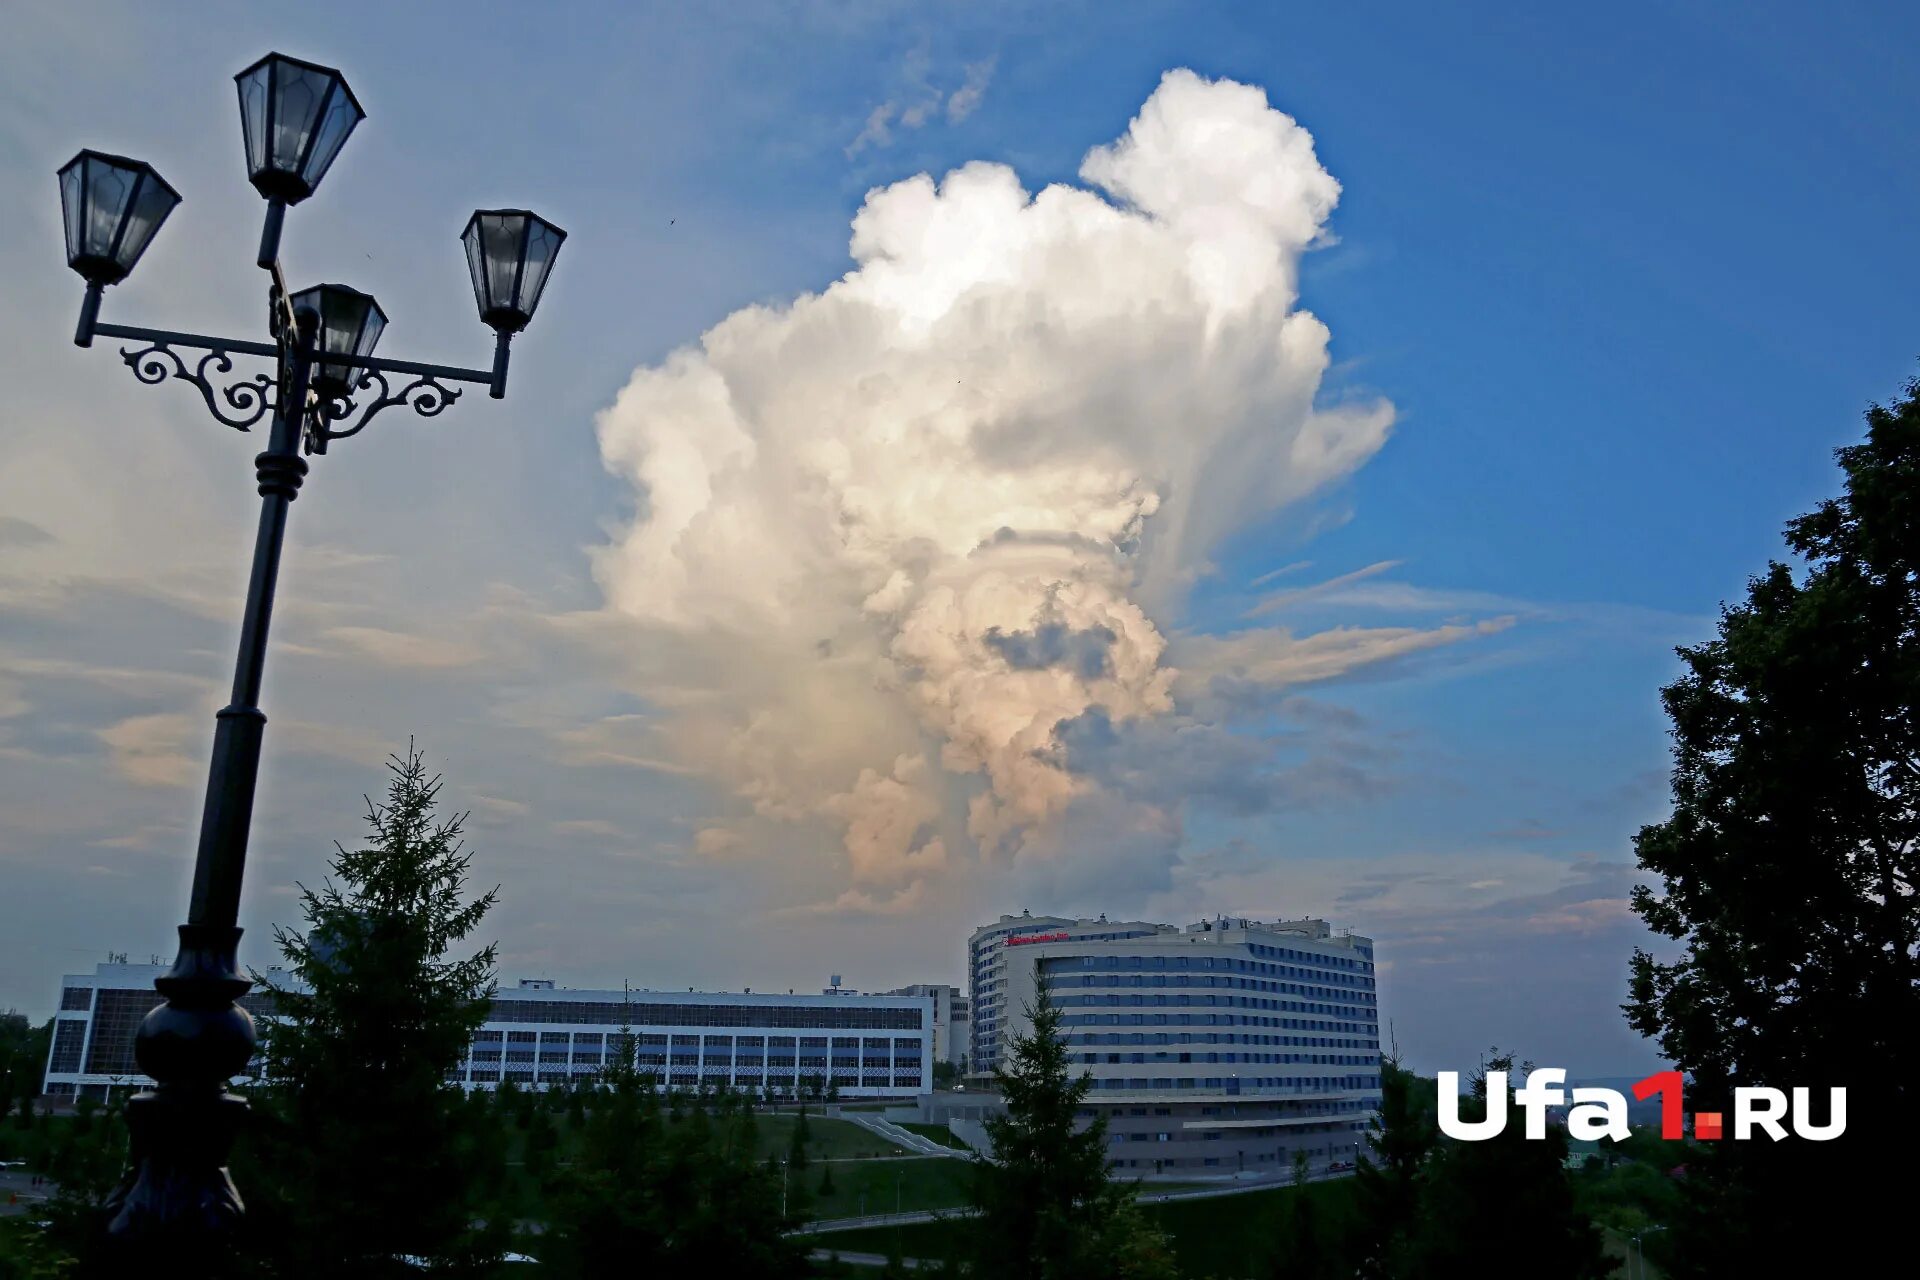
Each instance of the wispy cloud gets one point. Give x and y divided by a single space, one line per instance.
151 751
1281 599
922 99
401 649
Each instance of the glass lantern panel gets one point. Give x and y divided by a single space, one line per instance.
152 202
70 202
297 95
543 242
500 244
253 115
370 330
336 122
109 187
476 267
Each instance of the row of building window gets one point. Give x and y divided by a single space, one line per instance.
687 1079
1216 1037
1236 1084
1225 964
1230 1059
1205 981
850 1016
1215 1020
1355 1013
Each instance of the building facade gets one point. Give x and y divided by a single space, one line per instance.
1225 1046
537 1034
951 1023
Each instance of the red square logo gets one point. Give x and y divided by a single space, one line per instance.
1706 1125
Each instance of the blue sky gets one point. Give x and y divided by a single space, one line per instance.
1625 276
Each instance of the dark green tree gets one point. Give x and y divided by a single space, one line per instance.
1046 1206
1786 872
649 1194
23 1061
1502 1206
1307 1246
797 1147
360 1152
1400 1140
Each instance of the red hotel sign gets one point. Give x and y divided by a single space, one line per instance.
1037 937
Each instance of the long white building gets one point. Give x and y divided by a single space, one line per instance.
1227 1045
538 1034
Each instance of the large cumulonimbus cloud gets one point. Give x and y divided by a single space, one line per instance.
894 535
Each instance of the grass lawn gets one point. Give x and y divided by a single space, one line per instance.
876 1186
1222 1236
938 1132
829 1139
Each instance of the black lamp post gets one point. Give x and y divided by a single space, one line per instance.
295 116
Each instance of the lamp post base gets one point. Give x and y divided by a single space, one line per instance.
177 1190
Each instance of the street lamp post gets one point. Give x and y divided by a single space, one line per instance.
295 116
1639 1249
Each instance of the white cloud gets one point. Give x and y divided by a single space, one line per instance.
894 534
151 751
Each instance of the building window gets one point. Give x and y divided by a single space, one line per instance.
76 999
69 1034
116 1016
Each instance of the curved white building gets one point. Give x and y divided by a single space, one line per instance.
1224 1046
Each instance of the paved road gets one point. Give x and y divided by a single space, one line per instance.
863 1259
917 1143
1146 1197
18 1195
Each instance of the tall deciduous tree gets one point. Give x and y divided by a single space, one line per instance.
1786 871
1047 1209
363 1141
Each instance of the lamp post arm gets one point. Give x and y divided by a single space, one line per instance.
413 368
237 346
205 342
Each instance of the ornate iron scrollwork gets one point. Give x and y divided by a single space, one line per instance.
425 394
246 402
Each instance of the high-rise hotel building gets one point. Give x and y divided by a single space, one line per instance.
537 1034
1227 1045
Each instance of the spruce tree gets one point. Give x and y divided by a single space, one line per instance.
1047 1209
797 1147
360 1153
1401 1138
665 1195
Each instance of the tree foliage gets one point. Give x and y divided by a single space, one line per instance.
651 1194
361 1151
1503 1206
1047 1209
1786 870
1401 1136
23 1062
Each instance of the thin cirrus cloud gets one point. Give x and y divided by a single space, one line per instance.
923 101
